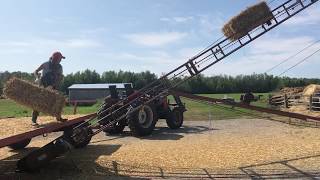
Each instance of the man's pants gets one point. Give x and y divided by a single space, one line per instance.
35 115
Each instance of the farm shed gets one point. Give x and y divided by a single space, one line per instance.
92 92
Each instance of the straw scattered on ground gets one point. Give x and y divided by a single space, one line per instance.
232 147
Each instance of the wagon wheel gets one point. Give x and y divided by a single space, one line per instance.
20 145
116 128
81 140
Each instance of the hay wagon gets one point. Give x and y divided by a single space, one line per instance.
20 141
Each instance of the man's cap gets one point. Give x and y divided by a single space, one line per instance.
57 54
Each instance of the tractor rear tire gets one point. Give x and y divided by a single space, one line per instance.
175 118
143 122
20 145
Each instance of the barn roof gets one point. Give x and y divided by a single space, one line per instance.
98 86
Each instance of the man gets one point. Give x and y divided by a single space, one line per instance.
248 97
51 77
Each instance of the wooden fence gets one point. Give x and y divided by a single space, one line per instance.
315 102
287 101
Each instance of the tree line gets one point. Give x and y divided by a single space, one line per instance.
201 84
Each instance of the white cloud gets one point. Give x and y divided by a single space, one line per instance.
94 31
39 43
210 23
59 20
178 19
82 43
188 53
165 19
14 44
264 54
275 45
309 17
155 39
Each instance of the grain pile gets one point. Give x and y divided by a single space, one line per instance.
234 144
247 20
193 152
38 98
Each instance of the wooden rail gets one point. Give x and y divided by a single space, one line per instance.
315 102
246 106
288 101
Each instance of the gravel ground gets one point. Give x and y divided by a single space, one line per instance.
236 149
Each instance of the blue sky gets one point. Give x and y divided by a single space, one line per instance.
139 35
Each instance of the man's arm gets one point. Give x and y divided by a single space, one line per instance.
36 72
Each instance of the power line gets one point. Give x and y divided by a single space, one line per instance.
287 59
304 59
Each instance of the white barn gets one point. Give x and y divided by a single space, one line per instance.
92 92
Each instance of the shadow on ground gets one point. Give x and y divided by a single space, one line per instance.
284 169
81 164
162 133
78 164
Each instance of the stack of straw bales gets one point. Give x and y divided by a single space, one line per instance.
311 89
247 20
292 90
38 98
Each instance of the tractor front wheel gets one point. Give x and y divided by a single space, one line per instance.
175 118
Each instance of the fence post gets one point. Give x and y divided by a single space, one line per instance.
75 107
286 103
310 103
270 99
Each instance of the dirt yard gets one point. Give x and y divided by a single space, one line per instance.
241 148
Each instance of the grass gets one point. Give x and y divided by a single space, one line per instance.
196 111
10 109
200 111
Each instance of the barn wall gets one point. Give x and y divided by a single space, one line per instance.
88 94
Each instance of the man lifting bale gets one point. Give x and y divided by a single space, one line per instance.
42 96
51 77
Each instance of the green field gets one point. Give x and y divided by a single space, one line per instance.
199 111
196 111
9 108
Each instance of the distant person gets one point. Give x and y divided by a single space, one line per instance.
248 98
51 76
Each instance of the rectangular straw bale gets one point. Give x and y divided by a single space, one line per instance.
247 20
37 98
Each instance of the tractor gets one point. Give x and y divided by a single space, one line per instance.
143 121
